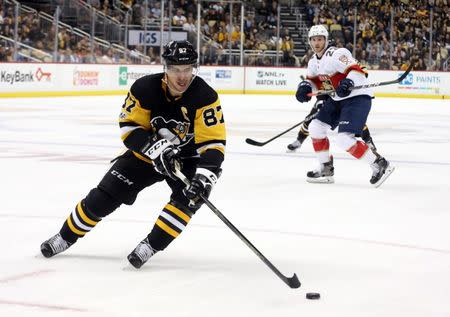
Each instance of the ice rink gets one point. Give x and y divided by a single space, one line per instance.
368 251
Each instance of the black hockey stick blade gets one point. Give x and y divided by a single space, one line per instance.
255 143
293 282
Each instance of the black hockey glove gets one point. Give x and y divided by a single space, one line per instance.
202 183
303 89
343 90
163 154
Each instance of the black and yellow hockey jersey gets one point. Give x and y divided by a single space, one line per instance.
193 121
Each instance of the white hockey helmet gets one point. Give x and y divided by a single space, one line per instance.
318 30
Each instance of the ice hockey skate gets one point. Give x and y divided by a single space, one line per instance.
323 175
294 146
141 254
381 170
54 245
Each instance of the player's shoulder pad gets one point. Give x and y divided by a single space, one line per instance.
342 51
203 93
143 87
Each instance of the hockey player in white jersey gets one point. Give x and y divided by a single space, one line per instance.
333 68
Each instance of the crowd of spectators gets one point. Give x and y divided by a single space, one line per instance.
219 34
37 41
374 45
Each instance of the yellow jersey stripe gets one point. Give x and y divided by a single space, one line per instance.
178 212
72 227
166 228
220 148
142 157
84 217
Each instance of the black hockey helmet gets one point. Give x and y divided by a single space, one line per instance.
179 53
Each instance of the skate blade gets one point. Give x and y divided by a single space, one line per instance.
291 151
388 172
321 180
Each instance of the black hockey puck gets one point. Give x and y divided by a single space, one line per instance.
312 295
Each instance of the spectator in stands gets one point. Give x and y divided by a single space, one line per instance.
292 60
384 63
189 25
209 53
287 45
236 37
204 27
179 19
2 53
156 10
67 56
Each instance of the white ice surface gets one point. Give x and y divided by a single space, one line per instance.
369 252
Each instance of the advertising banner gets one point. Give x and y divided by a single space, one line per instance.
278 80
153 38
51 79
127 74
27 76
417 83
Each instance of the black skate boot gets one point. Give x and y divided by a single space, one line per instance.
324 175
381 170
141 254
297 143
54 245
294 146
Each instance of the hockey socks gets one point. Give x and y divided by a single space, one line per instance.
79 222
170 223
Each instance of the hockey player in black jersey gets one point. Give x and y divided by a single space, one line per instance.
170 120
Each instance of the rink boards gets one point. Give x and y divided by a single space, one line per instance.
56 79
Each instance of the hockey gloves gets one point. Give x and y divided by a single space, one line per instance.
303 89
163 154
202 183
344 88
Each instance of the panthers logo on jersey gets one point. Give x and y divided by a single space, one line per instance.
326 82
172 130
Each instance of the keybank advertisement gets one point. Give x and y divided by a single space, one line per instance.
24 75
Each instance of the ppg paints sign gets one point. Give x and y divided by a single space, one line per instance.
153 38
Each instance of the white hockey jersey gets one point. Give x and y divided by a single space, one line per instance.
334 65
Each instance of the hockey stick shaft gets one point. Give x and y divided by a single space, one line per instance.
256 143
292 282
383 83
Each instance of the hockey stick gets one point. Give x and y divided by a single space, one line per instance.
383 83
256 143
292 282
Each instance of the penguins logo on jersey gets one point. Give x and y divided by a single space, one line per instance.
172 130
